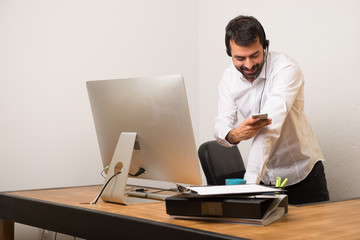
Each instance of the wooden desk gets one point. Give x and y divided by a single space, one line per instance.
67 211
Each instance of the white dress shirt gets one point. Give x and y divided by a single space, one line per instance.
286 148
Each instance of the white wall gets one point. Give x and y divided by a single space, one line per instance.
323 36
49 49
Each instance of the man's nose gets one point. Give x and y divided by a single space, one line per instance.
248 63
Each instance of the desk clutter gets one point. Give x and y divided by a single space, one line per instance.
248 204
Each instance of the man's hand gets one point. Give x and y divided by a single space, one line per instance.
246 130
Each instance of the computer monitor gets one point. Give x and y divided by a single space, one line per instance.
155 109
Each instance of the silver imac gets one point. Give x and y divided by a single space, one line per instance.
144 128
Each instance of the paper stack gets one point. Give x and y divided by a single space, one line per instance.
249 204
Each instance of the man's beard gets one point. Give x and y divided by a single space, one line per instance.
252 76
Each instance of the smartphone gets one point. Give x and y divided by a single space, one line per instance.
262 116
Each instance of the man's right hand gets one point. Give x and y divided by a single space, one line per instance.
246 130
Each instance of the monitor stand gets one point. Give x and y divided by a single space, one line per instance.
115 189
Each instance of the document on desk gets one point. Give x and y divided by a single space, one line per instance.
245 189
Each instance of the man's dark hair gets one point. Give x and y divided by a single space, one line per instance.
244 30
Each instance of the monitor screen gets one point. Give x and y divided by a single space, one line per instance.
156 109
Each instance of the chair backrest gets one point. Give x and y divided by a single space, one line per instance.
219 162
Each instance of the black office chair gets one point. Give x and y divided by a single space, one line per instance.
220 163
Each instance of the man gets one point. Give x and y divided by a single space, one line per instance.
283 145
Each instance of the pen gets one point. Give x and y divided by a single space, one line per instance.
283 183
140 190
278 181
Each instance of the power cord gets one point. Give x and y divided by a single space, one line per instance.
102 190
138 173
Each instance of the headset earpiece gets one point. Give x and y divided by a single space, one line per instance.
266 42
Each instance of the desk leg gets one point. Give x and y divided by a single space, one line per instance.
6 230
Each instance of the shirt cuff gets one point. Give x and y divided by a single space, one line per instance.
221 139
251 178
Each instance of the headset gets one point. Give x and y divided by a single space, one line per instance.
266 42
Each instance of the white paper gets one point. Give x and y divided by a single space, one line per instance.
231 189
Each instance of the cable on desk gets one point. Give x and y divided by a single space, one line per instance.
102 190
